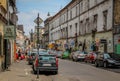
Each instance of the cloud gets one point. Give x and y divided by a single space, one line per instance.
27 19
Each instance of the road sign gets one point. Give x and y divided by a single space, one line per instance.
38 20
9 32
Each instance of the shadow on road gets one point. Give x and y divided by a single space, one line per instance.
44 73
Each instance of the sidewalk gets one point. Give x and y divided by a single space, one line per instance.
19 71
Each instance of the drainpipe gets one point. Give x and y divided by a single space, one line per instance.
113 8
67 27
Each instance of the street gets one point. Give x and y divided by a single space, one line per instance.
68 71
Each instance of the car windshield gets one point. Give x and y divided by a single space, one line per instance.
47 58
107 56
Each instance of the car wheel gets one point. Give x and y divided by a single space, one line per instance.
105 65
55 72
76 60
35 72
96 64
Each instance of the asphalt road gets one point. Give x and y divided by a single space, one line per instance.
68 71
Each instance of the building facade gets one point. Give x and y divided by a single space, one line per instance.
7 46
116 23
3 22
85 25
46 34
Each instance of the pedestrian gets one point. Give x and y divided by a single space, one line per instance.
19 55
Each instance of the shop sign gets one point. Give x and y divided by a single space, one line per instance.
9 32
103 41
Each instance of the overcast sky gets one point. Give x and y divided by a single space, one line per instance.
28 10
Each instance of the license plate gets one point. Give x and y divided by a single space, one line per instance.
46 64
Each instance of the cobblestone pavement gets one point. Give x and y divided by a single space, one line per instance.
68 71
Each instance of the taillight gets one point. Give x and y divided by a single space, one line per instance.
57 62
36 62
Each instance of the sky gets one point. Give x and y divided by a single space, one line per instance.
29 9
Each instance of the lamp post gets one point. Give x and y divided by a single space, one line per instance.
38 21
31 39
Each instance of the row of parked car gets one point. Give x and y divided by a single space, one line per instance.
97 58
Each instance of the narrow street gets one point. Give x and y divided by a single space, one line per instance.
68 71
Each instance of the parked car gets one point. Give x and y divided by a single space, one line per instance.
105 60
46 62
90 57
81 55
76 56
65 55
32 55
59 54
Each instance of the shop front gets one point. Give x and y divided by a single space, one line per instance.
104 42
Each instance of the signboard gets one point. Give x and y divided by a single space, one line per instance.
9 32
38 20
103 41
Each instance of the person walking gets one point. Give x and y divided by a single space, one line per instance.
19 55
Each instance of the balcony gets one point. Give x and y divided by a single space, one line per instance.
3 14
13 18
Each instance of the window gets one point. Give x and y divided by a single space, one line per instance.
64 18
76 27
70 14
70 29
81 27
87 25
81 7
105 20
76 10
66 32
95 22
95 2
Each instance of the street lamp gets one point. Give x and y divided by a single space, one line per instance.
38 21
31 35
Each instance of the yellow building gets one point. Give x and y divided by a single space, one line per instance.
3 22
4 3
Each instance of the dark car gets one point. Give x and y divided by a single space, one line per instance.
46 62
105 60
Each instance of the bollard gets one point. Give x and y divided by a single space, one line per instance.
37 73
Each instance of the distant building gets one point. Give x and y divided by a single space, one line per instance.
40 38
20 38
